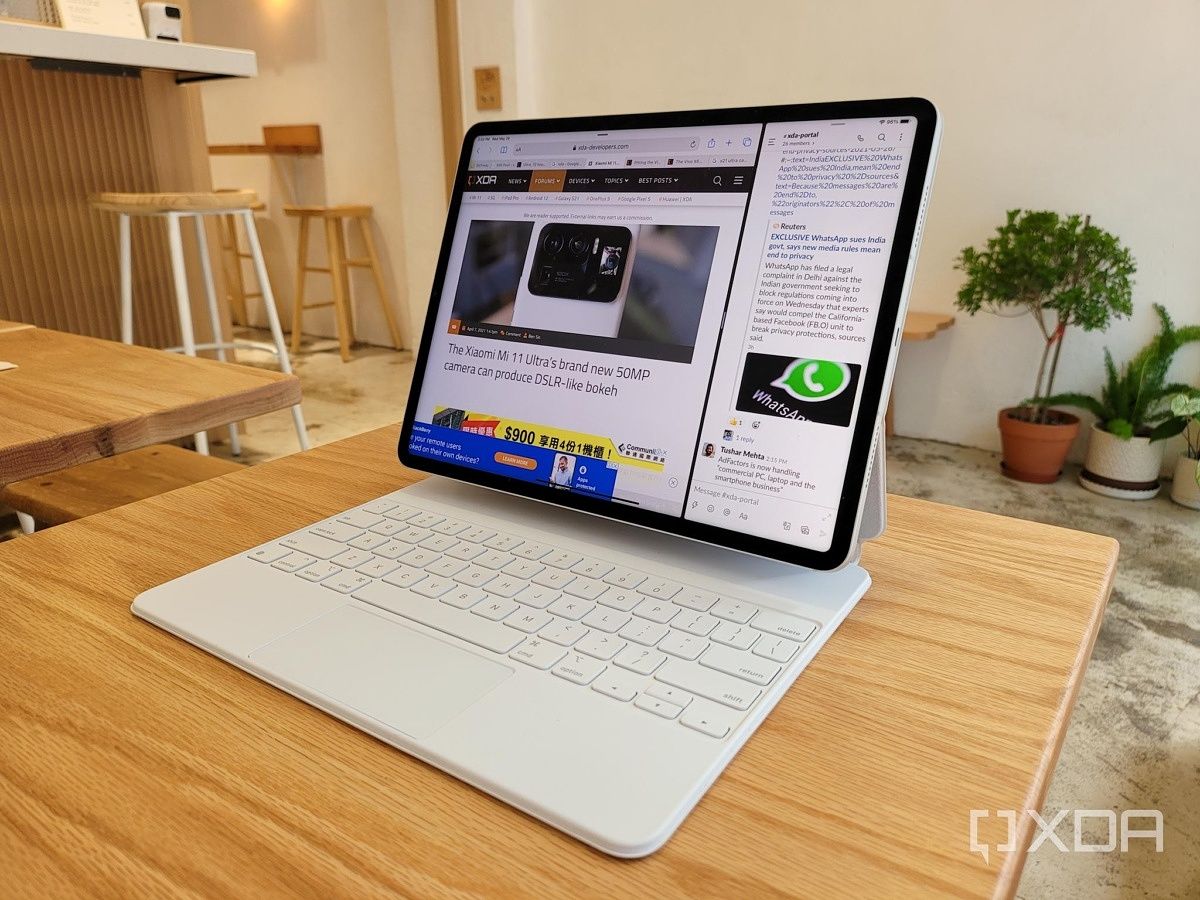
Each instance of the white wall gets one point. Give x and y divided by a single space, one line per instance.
1076 106
335 63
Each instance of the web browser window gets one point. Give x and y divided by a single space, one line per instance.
673 319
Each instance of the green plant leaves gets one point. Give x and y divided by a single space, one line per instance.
1122 428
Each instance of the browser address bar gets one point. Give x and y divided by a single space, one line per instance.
604 145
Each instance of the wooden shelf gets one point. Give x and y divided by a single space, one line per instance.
101 53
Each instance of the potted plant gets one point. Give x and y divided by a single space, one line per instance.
1124 455
1185 415
1064 272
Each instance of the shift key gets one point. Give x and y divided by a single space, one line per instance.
722 688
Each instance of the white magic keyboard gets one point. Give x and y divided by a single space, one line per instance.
675 651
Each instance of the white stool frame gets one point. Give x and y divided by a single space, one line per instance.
183 300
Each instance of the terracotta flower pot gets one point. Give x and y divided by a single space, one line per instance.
1184 489
1125 468
1035 452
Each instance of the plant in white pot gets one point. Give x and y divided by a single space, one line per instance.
1124 455
1185 420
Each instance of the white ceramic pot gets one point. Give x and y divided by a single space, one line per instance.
1184 489
1125 469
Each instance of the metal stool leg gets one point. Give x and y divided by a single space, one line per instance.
126 265
28 525
182 303
264 282
214 317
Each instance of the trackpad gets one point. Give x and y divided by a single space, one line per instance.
407 680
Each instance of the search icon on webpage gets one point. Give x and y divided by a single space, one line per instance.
717 180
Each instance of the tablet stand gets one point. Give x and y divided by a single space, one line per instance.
874 515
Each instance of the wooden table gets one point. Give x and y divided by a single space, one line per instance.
132 763
74 399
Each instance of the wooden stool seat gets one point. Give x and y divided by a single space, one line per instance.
186 202
343 211
108 483
338 270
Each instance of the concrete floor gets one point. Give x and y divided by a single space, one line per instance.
1134 739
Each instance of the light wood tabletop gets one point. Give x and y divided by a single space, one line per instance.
6 325
921 326
133 764
73 399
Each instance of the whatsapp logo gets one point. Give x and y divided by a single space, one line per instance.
814 379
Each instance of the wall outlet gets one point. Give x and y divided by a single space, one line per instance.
487 87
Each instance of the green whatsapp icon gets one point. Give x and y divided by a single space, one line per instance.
814 379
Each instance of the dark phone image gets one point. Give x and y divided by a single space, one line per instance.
580 262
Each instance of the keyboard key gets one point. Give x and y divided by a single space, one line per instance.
539 654
561 559
668 693
336 531
410 534
493 559
463 597
357 518
313 545
656 706
503 542
565 633
734 610
294 562
685 646
579 669
624 600
740 637
732 692
693 598
495 608
352 558
739 663
660 611
346 582
592 568
418 557
553 578
784 626
587 588
318 571
522 568
474 630
504 586
697 623
450 527
405 577
446 568
391 549
531 550
368 541
625 578
537 597
659 588
608 620
474 576
438 542
572 608
477 535
379 507
778 650
269 553
646 633
617 684
528 620
388 528
400 513
601 646
465 550
377 567
639 659
708 719
425 520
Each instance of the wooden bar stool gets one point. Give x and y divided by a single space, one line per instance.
338 269
232 256
173 208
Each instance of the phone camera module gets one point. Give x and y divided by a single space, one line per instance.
579 245
553 243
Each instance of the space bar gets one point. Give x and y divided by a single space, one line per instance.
489 635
